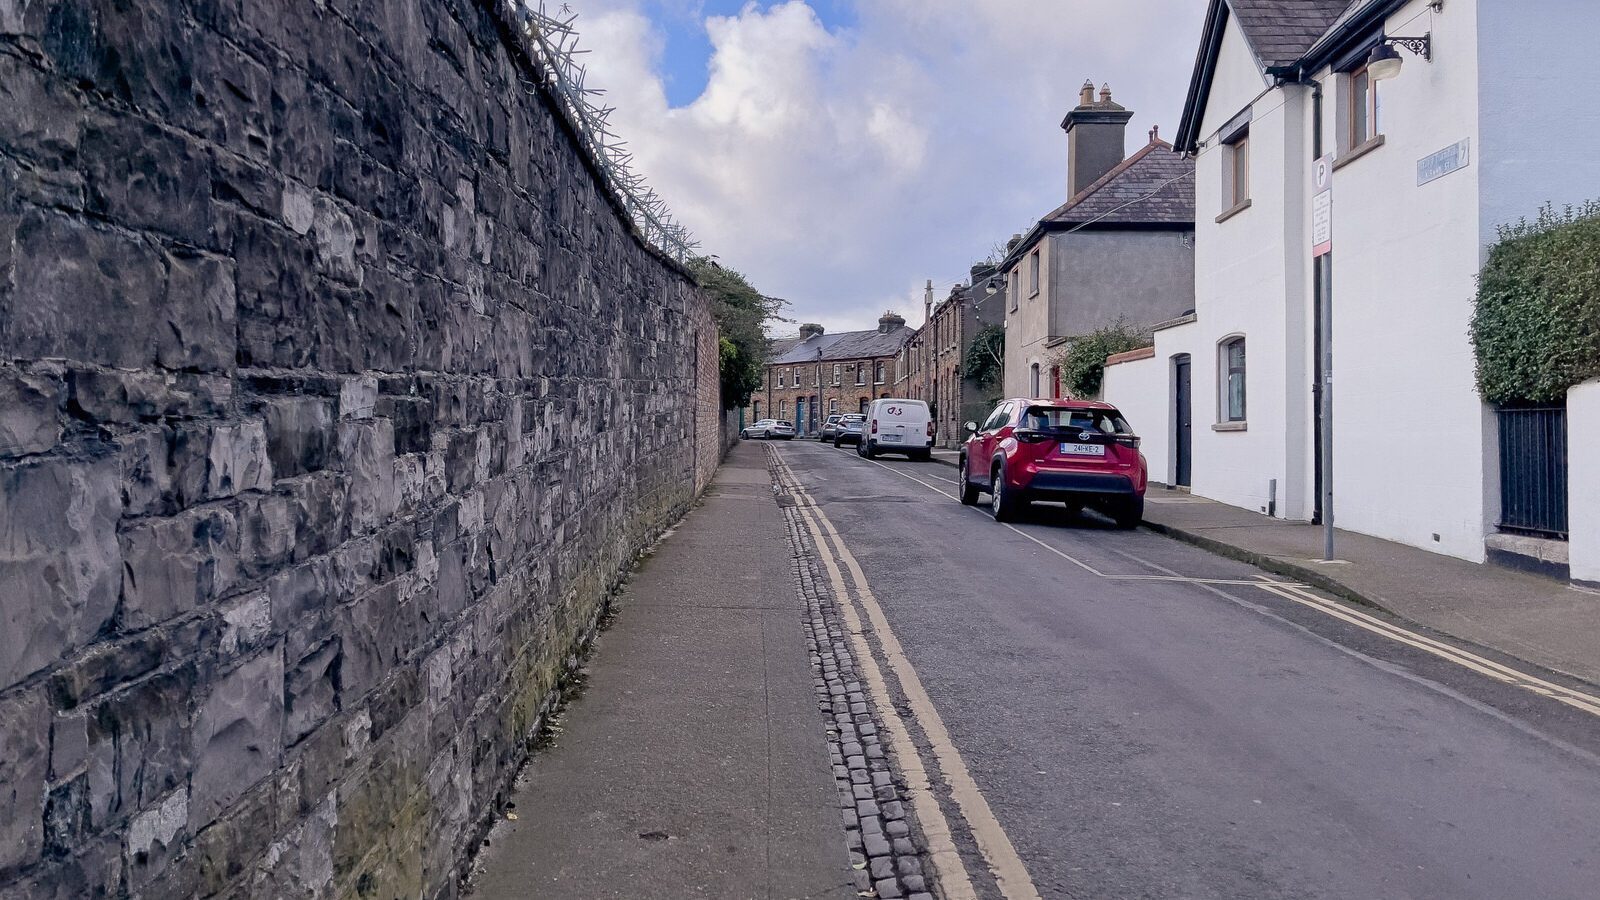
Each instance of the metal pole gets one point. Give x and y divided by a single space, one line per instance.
1325 274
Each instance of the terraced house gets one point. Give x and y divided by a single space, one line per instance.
817 374
1354 161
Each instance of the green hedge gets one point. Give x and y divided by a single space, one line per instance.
1536 325
1083 366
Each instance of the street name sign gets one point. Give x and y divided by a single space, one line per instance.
1453 158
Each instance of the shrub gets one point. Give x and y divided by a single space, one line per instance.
742 314
1083 365
986 356
1536 322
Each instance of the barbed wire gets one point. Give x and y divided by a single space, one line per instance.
554 41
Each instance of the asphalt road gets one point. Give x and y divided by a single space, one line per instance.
1201 738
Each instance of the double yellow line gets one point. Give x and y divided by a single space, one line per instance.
1301 594
1001 858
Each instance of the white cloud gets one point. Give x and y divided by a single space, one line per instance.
841 169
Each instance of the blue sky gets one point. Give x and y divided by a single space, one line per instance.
842 153
687 49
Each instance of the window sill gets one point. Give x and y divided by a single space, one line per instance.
1233 211
1358 151
1231 426
1034 294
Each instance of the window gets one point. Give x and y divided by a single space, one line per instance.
1236 172
780 376
816 376
1033 380
861 373
783 409
864 402
1361 109
833 406
878 373
998 418
1011 289
836 370
1230 371
755 410
1033 274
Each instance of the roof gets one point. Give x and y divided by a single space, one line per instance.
1287 37
1061 402
1281 31
844 345
1147 189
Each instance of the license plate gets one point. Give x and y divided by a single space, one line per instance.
891 439
1084 449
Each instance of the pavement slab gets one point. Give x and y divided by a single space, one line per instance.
694 762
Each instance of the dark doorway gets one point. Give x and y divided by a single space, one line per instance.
1183 421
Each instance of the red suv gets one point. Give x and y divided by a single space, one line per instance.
1076 451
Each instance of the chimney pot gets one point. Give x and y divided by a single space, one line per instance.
1086 93
1105 92
810 330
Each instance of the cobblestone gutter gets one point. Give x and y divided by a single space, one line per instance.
887 853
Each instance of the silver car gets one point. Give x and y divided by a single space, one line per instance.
769 428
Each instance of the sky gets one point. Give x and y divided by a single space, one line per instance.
841 153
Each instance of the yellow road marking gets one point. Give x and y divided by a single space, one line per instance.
1301 594
995 846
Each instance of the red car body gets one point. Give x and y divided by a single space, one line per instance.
1080 452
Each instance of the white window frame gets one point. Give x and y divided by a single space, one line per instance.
877 372
836 372
861 374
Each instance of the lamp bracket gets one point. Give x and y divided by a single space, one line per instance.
1421 46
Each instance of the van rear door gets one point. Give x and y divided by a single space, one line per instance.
901 423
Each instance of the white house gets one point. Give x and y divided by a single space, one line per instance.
1489 116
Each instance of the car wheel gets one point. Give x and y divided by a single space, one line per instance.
922 455
1128 512
1004 502
969 491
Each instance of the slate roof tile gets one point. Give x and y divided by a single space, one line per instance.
844 345
1281 31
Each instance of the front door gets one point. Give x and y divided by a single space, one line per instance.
800 415
1183 421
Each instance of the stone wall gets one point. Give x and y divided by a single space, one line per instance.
334 398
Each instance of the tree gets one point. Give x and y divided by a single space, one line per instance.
742 313
1083 365
986 357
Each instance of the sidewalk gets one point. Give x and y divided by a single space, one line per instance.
1535 619
694 762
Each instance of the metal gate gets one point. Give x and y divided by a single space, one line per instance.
1533 470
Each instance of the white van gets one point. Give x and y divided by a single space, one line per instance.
897 426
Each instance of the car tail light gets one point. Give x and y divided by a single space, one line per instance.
1127 440
874 426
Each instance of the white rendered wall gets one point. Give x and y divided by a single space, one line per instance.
1583 482
1244 285
1140 389
1410 431
1028 329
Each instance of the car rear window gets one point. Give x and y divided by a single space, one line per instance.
782 424
1048 418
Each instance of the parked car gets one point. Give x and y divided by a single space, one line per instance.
850 429
768 429
835 424
1079 452
898 426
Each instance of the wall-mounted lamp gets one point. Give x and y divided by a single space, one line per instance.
995 286
1385 61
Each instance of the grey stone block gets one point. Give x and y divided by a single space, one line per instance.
24 762
58 587
238 735
300 433
174 564
30 412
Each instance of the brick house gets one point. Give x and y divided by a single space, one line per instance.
932 362
817 374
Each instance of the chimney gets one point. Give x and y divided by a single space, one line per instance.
1012 244
1155 133
889 321
810 330
1095 137
927 302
